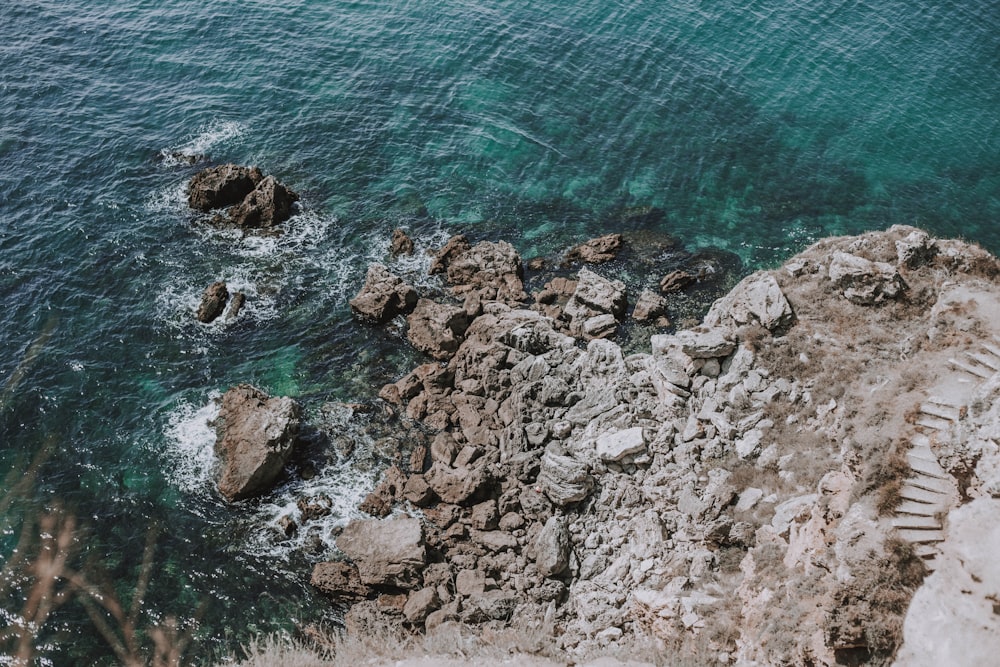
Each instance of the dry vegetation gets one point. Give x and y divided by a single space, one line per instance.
42 573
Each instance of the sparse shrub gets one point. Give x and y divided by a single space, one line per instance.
869 611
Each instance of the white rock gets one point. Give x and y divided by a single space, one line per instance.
757 298
791 510
748 499
616 446
749 444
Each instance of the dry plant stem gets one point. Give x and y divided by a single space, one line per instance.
49 566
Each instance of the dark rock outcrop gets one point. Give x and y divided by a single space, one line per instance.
255 435
268 205
222 186
213 302
383 296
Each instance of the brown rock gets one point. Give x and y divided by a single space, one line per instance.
401 243
596 251
340 580
379 502
485 516
255 435
493 269
418 491
315 507
383 296
387 552
649 306
675 281
222 186
236 306
461 486
269 204
213 302
455 246
436 328
420 604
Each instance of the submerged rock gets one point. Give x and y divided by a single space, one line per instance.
596 251
255 435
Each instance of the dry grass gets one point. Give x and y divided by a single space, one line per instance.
40 574
869 611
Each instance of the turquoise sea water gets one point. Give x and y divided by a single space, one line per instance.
755 126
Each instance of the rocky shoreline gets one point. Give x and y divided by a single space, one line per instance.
758 488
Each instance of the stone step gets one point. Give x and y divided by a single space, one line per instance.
978 371
922 495
926 466
986 360
920 509
923 452
936 423
920 440
920 535
926 550
992 349
937 410
936 484
916 522
945 402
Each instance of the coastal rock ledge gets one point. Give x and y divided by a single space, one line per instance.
771 486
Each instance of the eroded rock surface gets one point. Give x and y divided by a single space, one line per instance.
255 436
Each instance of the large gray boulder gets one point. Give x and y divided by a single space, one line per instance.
225 185
564 479
757 299
595 298
863 281
255 435
552 547
383 296
387 552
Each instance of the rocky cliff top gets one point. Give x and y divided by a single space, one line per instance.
768 487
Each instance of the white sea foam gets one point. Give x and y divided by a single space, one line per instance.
207 137
190 445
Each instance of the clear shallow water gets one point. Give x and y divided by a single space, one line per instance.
756 127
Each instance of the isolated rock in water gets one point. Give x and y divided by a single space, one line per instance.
863 281
387 552
596 251
213 302
436 328
239 299
675 281
455 246
255 435
401 243
756 299
649 306
268 205
552 547
225 185
383 296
